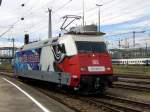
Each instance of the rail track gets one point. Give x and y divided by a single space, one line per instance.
135 80
107 103
6 70
118 104
59 98
133 76
127 104
72 101
135 83
132 86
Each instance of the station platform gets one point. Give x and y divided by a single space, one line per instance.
15 97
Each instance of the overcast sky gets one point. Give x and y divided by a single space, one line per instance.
117 16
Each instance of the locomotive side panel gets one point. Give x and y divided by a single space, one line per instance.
46 59
38 64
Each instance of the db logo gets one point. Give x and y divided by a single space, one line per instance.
59 52
95 62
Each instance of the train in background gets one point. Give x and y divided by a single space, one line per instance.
79 61
134 61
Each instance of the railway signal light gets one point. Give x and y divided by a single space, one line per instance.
26 39
22 5
22 18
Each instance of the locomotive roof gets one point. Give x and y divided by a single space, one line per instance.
90 38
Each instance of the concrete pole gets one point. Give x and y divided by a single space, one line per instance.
83 13
99 16
134 39
13 50
50 24
99 20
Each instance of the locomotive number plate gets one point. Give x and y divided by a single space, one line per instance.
96 68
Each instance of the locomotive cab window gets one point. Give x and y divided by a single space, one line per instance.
99 47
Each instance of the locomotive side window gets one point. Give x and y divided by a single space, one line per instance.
91 46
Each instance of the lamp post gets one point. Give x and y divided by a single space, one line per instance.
99 5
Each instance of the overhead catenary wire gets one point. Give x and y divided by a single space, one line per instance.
59 11
133 14
118 16
110 13
30 12
121 36
107 16
11 27
65 4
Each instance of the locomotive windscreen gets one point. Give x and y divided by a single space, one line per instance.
83 46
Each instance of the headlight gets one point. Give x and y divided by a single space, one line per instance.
74 76
108 68
83 69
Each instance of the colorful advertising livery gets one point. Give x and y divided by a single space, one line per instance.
28 60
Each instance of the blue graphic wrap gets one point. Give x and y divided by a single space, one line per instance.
27 60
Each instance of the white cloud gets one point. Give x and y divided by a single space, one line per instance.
36 17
